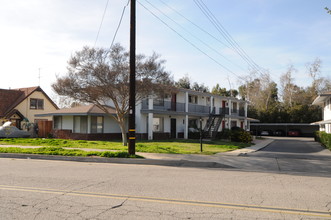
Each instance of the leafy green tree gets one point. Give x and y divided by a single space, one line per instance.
217 90
184 83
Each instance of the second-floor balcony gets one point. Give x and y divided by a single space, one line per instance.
160 105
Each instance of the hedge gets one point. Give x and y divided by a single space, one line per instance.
324 138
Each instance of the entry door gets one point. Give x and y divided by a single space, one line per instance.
173 130
173 102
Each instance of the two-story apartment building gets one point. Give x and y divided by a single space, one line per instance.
179 114
324 100
174 116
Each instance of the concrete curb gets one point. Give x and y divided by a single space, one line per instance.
248 150
160 162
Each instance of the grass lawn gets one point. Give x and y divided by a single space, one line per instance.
65 152
169 146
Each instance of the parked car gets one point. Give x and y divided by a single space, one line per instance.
265 133
279 133
293 133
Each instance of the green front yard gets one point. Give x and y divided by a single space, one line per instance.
170 146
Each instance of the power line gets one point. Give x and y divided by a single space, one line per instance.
235 46
119 24
185 29
192 44
103 16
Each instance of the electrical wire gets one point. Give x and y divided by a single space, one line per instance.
185 29
119 24
188 41
103 16
233 44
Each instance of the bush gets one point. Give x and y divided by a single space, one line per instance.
324 138
245 137
225 134
240 135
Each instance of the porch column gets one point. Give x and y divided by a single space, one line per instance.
186 101
150 126
186 117
246 108
150 103
186 127
212 104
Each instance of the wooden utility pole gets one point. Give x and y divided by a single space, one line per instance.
132 98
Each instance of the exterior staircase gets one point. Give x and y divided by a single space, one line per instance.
213 123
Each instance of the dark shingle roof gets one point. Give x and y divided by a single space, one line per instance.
10 98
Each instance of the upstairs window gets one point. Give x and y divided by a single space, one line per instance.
36 104
193 99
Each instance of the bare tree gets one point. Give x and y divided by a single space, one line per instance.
259 90
287 86
101 77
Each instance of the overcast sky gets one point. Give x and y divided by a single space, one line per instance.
39 36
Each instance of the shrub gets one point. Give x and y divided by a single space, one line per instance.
245 137
324 138
240 135
225 134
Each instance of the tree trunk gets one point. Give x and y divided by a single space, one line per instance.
124 135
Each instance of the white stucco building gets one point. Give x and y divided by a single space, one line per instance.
324 100
174 116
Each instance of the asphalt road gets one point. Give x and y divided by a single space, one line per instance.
41 189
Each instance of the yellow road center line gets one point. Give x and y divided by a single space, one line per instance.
317 213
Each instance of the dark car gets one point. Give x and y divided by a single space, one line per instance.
279 133
293 133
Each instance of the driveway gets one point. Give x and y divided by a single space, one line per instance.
297 148
302 155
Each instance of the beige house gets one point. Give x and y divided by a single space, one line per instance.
21 105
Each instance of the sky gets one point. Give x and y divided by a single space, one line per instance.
39 36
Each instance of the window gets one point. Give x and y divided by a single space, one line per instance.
234 107
80 124
233 124
193 123
57 122
157 124
159 102
96 124
36 104
208 101
193 99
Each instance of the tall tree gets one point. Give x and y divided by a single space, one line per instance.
184 82
260 90
218 90
287 86
100 76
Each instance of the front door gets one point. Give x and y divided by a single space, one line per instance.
173 102
173 130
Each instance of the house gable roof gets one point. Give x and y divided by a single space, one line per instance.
10 98
79 110
319 100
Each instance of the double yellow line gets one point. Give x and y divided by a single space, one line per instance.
316 213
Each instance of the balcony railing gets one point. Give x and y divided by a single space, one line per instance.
164 106
193 108
241 112
176 106
223 111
